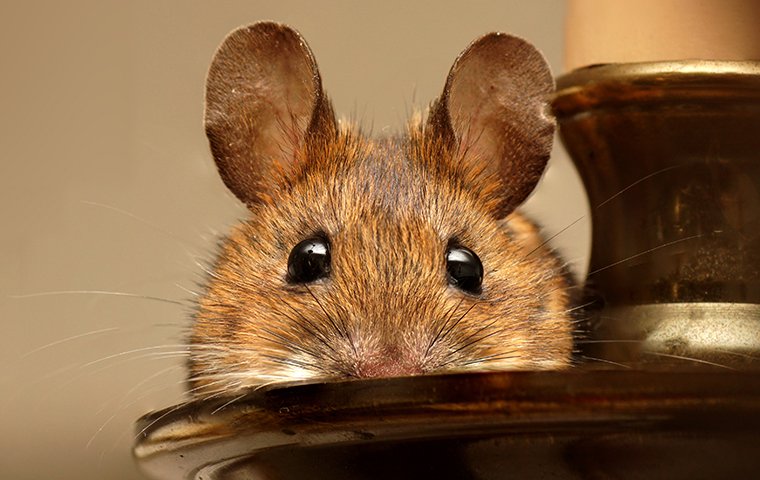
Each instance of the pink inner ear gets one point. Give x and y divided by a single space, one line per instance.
262 90
497 95
290 95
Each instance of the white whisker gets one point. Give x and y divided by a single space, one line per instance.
602 360
136 350
691 237
95 292
69 339
223 406
154 226
122 404
690 359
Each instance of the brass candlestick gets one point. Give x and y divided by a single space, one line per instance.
669 153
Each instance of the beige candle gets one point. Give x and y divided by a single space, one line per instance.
607 31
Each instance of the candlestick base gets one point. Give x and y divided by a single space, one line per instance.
479 426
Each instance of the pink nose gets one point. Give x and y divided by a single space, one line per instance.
387 364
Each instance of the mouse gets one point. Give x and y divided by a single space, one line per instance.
365 257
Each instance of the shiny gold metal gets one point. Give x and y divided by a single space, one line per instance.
577 424
669 153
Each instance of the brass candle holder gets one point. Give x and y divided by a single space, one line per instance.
669 153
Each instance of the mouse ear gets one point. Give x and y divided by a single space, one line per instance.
494 113
264 100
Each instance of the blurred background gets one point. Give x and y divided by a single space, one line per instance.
107 188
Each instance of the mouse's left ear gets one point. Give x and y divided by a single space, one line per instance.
494 112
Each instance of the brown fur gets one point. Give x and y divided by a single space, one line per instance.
389 208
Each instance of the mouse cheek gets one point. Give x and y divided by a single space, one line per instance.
493 331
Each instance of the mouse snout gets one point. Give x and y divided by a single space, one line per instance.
387 362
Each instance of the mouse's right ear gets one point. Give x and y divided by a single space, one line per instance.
494 111
264 100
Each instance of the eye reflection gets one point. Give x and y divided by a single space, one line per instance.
464 269
309 260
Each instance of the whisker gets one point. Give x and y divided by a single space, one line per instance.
449 315
218 378
602 360
131 215
69 339
142 382
82 374
608 341
152 355
647 177
555 235
123 405
157 419
23 389
129 352
690 359
448 331
279 339
578 307
314 330
474 334
332 322
349 337
95 292
223 406
691 237
737 354
79 373
477 340
490 358
289 361
187 290
605 202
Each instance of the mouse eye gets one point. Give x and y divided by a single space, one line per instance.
309 260
464 269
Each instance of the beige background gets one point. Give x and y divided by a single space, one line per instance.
106 184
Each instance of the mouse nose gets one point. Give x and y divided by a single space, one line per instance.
389 362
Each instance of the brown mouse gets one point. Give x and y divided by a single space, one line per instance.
377 257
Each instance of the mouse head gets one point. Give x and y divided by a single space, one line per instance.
367 258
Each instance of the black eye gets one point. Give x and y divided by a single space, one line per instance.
464 269
309 260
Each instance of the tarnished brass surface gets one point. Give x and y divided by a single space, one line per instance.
669 153
724 335
576 424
